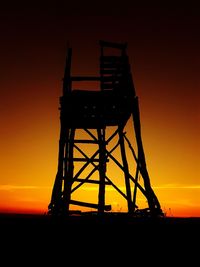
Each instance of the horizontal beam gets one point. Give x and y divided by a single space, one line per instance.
89 205
90 181
83 159
81 141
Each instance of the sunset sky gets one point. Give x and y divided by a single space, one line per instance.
163 48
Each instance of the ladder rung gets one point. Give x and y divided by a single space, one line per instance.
110 59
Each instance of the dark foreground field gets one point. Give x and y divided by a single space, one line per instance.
92 240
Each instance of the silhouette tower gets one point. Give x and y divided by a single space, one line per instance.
93 112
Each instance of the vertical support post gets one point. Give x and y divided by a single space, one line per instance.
135 188
102 170
126 169
151 197
68 170
56 197
56 204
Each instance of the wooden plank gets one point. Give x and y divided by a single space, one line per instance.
79 141
83 159
89 205
90 181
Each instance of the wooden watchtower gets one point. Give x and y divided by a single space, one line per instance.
93 112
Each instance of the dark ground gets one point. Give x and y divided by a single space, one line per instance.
114 239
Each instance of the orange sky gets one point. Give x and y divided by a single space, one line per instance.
163 46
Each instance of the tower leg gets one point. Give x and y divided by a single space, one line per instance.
102 170
126 170
68 170
153 202
135 188
56 198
